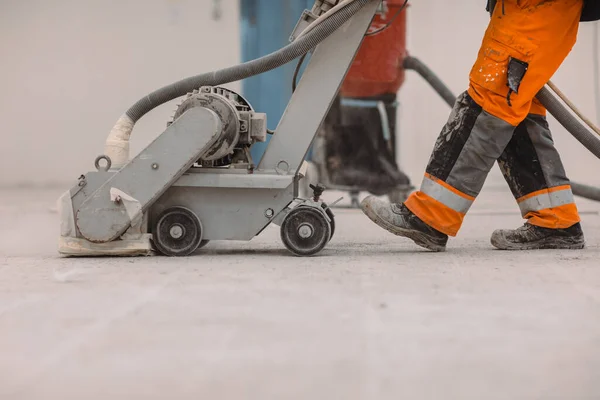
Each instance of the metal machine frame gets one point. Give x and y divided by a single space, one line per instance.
110 212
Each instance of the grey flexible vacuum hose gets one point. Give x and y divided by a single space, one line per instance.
566 119
548 100
251 68
586 191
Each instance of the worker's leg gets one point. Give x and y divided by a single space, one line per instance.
539 34
534 171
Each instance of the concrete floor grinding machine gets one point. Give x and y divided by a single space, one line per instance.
197 182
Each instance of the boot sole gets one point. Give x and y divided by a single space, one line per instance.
543 244
419 238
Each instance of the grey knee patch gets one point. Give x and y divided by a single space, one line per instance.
487 141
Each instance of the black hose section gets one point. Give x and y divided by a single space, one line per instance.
412 63
585 191
390 22
297 72
251 68
566 119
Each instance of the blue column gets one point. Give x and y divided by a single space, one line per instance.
266 26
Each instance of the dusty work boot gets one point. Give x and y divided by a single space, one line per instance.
400 221
531 237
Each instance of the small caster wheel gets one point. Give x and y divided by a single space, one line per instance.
177 232
331 217
305 231
354 203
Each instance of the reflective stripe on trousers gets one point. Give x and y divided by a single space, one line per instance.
552 208
446 194
440 205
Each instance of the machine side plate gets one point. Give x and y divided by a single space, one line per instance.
103 219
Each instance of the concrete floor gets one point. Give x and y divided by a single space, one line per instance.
373 317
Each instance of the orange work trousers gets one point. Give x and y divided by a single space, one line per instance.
490 124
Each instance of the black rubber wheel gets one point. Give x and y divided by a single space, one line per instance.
177 232
331 217
305 231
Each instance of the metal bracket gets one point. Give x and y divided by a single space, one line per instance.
305 20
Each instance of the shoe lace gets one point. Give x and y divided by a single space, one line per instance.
400 208
525 228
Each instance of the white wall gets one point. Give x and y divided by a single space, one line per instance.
69 68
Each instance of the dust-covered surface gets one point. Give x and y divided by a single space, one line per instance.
373 317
